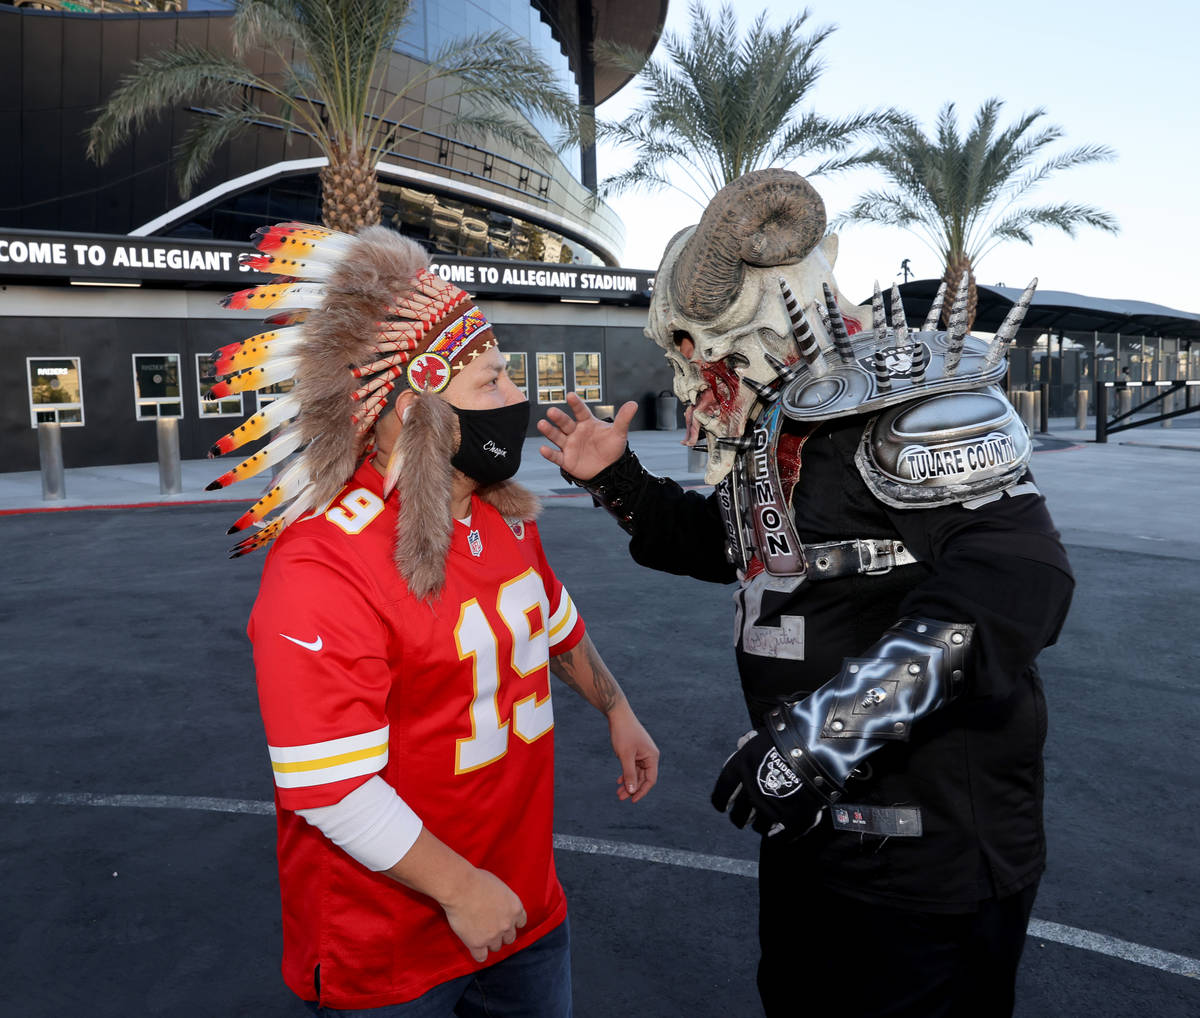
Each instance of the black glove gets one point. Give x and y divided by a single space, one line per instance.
757 787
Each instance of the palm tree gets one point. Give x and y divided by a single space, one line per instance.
335 54
960 195
720 105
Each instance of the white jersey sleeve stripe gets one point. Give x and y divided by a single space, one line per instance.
334 772
321 763
330 748
561 612
564 629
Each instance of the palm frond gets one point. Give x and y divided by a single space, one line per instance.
721 102
159 82
1065 216
959 189
207 134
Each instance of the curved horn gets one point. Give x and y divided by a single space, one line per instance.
764 218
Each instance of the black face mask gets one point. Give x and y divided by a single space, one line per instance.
490 450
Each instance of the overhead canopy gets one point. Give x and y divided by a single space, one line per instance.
1058 311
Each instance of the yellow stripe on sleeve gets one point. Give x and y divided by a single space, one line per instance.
322 763
329 761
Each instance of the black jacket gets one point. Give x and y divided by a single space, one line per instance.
975 767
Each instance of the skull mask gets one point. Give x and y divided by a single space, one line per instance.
718 311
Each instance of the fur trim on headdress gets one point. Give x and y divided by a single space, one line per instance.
511 500
424 526
379 268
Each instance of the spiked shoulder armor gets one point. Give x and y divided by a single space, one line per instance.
943 431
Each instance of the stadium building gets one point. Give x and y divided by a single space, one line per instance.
110 279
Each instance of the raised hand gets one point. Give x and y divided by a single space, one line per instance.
583 444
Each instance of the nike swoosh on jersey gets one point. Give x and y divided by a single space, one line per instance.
314 646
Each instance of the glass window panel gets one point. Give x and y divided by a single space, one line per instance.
516 371
551 367
230 406
587 376
458 227
55 390
156 385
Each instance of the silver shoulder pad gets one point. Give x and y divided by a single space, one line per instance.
944 448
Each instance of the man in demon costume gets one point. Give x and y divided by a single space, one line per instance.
897 574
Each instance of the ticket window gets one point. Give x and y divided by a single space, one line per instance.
516 372
230 406
55 391
156 389
551 378
587 377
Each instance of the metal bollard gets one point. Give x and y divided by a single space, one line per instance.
1081 409
170 480
1042 405
1124 401
54 485
697 459
1101 413
1025 408
1168 404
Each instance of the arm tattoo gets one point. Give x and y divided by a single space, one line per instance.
582 669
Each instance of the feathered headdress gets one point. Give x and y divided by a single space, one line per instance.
354 318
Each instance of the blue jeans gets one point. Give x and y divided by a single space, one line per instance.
533 983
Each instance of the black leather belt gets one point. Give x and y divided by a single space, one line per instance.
848 558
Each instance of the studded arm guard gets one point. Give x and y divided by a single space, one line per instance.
916 668
617 488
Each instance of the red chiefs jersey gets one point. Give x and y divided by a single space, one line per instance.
449 703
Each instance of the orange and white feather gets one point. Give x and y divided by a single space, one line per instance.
273 372
290 296
252 352
274 415
289 487
270 454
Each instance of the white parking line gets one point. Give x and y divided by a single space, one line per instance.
1039 929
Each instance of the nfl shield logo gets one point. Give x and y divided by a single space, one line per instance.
475 543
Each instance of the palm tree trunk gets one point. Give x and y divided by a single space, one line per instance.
349 192
953 278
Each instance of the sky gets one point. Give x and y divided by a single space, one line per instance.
1125 75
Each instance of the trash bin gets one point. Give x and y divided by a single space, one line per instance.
666 410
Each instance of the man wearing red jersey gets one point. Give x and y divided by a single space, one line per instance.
404 686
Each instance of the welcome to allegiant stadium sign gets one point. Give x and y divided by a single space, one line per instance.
37 256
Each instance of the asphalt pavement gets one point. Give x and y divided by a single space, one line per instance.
136 801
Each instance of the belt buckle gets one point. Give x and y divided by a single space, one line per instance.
870 557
